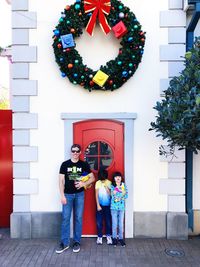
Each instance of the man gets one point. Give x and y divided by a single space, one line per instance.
72 197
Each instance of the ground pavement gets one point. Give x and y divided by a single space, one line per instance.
137 253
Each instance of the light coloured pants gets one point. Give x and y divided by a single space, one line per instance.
117 223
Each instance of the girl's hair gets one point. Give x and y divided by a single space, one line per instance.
102 174
113 177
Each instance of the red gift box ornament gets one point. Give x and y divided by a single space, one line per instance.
98 8
119 29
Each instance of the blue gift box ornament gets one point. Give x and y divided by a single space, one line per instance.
67 40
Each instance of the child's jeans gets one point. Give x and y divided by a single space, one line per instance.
117 223
101 215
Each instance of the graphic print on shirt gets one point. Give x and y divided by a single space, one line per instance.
118 196
74 173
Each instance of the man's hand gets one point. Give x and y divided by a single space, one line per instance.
79 184
63 200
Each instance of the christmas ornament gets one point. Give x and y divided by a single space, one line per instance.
100 78
67 40
100 8
110 14
119 29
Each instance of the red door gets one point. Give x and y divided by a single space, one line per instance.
102 143
6 180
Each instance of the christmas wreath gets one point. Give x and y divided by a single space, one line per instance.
112 15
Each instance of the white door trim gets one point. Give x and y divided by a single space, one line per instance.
128 120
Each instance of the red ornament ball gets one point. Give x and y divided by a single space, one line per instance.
70 66
91 83
72 30
59 45
67 7
111 82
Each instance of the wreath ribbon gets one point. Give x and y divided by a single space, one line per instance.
98 8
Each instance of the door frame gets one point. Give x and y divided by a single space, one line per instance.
6 169
128 120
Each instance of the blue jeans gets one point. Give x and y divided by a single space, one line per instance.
76 202
101 215
117 222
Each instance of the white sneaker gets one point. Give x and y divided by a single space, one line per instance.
109 240
99 241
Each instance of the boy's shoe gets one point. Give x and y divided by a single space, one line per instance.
99 241
114 242
122 243
76 247
109 240
61 248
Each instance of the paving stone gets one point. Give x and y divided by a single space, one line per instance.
138 253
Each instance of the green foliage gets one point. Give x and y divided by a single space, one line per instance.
119 70
1 50
178 119
4 49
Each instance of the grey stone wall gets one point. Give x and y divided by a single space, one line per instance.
170 225
146 225
35 225
174 19
22 89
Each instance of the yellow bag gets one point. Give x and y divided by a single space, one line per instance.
85 178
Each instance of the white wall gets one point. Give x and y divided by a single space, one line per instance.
5 40
57 95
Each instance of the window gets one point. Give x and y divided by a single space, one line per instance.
98 154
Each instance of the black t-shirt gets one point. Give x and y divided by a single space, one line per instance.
73 172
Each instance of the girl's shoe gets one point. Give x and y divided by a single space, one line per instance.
122 243
109 240
99 241
114 242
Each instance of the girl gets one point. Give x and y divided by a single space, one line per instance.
102 193
118 195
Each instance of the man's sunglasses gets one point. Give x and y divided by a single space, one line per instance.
75 151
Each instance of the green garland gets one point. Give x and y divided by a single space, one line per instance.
119 70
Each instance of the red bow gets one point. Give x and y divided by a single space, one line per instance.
101 8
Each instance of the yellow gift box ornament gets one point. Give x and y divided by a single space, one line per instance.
100 78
